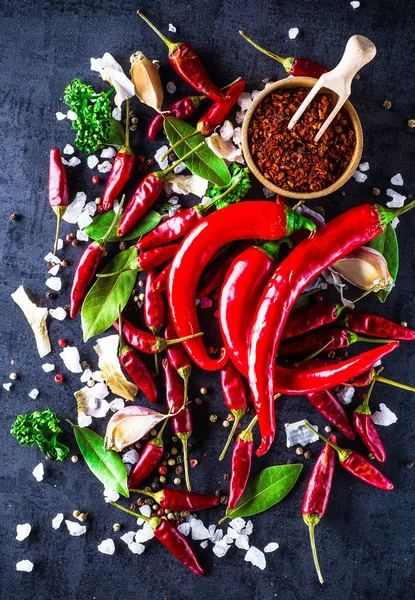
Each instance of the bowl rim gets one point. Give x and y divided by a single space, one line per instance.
295 82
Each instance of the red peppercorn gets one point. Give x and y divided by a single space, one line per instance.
70 237
62 342
95 179
160 512
59 378
162 470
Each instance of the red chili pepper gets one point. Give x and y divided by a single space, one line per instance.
183 501
58 190
234 395
156 256
362 380
330 243
317 495
182 109
327 404
247 220
178 359
311 317
365 427
120 173
299 67
241 464
188 65
154 307
357 465
172 229
160 282
150 457
214 275
182 421
177 545
378 326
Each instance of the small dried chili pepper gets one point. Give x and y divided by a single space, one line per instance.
58 190
121 169
146 194
178 359
188 65
182 109
214 275
378 327
298 67
171 538
182 421
365 427
87 268
135 367
327 404
317 495
357 465
154 308
150 457
160 282
311 317
183 501
340 338
241 464
234 395
247 220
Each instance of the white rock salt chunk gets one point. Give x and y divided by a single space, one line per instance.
68 149
75 529
355 4
238 524
384 416
299 434
38 472
184 528
245 101
199 531
48 367
171 87
71 115
33 394
173 200
58 313
397 199
240 116
136 547
84 420
173 210
81 235
212 529
397 179
346 394
110 495
360 177
97 376
84 219
86 375
108 152
220 548
50 257
60 244
54 270
159 154
25 565
57 521
172 28
227 130
116 113
242 542
292 34
23 531
71 359
255 93
92 161
256 557
227 539
236 138
217 536
75 208
72 162
232 533
128 537
248 529
54 283
7 386
364 166
105 167
204 544
117 404
144 534
271 547
395 222
267 193
145 510
179 168
130 457
107 546
91 207
60 116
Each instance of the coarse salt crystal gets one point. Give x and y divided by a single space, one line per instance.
117 404
71 359
75 208
116 113
144 534
110 495
384 416
171 87
271 547
248 529
240 116
220 549
228 539
97 376
397 179
86 375
68 149
71 115
50 257
92 161
360 177
25 565
173 200
84 420
172 28
38 472
84 219
355 4
48 367
128 537
236 138
255 93
256 557
395 222
292 34
57 521
81 235
105 167
73 162
158 156
75 529
7 386
130 457
179 168
173 210
33 394
107 546
238 524
204 544
232 533
54 270
145 510
299 434
346 394
54 283
136 547
267 193
58 313
184 528
60 116
227 131
23 531
242 542
364 166
199 531
217 536
397 199
60 244
245 101
108 152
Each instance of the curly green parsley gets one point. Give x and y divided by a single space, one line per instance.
235 191
41 428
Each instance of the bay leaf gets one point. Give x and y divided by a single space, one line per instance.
387 244
99 226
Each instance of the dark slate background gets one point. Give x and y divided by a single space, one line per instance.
366 541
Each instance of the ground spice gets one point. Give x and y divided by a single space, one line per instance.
291 159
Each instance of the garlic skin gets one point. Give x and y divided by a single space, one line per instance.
224 149
109 364
36 318
129 425
146 80
112 72
365 268
185 184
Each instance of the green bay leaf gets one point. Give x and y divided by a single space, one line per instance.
107 466
266 488
101 223
387 244
204 162
100 307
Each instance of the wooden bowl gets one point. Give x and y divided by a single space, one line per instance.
291 83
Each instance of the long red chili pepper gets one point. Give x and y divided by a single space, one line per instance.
357 465
173 228
234 395
317 495
331 242
146 194
327 404
149 459
87 268
183 501
311 317
58 190
171 538
241 464
154 308
178 359
362 421
182 421
121 169
148 260
299 67
215 273
247 220
160 282
378 327
188 65
182 109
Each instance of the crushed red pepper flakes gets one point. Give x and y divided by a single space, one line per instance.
291 159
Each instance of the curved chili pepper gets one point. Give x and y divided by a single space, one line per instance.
149 459
154 307
311 317
58 190
357 465
247 220
160 282
155 257
172 229
177 544
241 464
378 327
234 395
120 173
178 359
317 495
215 273
188 65
365 427
182 109
327 404
183 501
331 242
182 421
298 67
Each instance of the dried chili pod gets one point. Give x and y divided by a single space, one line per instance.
234 395
241 464
362 420
58 190
149 459
180 500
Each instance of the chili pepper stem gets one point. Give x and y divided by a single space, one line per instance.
183 339
131 512
170 45
286 62
59 212
111 227
365 403
319 350
238 414
395 383
251 424
184 438
339 451
340 309
359 338
185 378
299 203
311 525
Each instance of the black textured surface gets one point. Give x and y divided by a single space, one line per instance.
366 540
